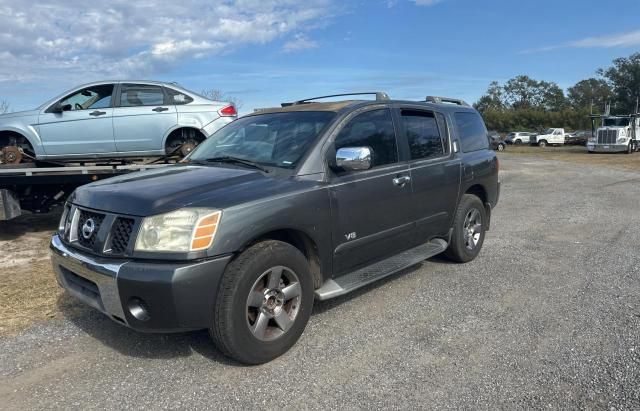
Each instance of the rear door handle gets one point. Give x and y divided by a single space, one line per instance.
160 109
97 113
401 181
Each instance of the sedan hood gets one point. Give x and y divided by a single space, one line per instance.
19 114
169 188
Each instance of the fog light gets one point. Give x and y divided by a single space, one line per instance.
138 308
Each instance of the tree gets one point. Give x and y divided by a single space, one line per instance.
624 79
219 95
4 106
493 100
522 93
591 90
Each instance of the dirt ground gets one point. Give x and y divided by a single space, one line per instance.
579 155
28 290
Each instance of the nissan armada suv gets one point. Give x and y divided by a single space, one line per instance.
277 209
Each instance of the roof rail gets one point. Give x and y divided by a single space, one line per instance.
380 95
440 100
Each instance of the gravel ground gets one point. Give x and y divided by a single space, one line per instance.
548 316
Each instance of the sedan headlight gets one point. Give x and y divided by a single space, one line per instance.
188 229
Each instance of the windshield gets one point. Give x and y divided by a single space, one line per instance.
615 122
274 139
549 131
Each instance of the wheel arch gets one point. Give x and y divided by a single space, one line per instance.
6 132
300 240
480 191
179 127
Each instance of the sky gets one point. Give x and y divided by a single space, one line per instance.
264 52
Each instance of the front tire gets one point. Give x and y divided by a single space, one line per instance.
500 147
542 143
264 302
469 226
630 148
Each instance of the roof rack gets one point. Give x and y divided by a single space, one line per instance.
380 95
440 100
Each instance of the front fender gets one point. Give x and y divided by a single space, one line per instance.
28 131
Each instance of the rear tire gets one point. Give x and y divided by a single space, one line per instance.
469 226
500 147
252 331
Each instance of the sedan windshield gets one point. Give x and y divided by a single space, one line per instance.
273 139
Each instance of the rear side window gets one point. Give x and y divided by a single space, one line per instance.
132 95
176 97
423 136
472 132
373 129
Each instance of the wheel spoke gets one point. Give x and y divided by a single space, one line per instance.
291 291
283 320
255 299
274 278
260 326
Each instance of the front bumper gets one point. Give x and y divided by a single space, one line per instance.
146 296
607 148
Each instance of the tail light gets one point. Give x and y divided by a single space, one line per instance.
228 111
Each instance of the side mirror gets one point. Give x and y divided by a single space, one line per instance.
354 158
59 108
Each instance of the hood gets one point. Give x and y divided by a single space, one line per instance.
20 114
169 188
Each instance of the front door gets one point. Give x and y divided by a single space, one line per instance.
370 209
84 128
142 118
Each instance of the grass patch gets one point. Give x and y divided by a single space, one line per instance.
577 154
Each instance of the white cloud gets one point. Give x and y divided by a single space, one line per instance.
629 39
299 42
426 2
393 3
78 39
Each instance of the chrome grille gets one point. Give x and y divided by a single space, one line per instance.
607 136
90 241
121 234
111 235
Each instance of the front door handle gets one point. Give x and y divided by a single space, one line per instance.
97 113
160 109
401 181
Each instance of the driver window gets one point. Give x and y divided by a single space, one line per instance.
90 98
372 129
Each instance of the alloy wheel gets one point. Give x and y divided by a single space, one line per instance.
273 303
472 228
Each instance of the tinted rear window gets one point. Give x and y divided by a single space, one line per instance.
472 132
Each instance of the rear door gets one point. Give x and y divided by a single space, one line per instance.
142 117
84 127
371 209
434 170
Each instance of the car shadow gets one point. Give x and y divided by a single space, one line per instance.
138 344
28 223
183 344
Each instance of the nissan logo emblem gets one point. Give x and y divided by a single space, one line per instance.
88 228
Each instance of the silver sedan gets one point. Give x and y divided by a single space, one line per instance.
112 120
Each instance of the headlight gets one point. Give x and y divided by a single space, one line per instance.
622 140
188 229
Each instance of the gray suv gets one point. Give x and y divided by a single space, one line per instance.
112 120
277 209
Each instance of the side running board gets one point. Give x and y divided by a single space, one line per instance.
367 275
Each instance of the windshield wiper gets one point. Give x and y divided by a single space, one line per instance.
235 160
